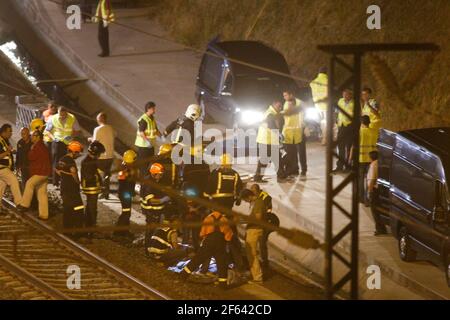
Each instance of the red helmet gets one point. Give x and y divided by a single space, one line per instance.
156 168
75 146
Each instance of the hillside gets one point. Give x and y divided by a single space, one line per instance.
296 27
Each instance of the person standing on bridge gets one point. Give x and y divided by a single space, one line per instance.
319 90
345 130
104 16
60 129
146 135
105 134
7 177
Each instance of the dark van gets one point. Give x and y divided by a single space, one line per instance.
236 94
413 181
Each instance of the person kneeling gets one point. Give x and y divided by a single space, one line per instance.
163 245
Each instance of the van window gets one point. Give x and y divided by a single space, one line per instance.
228 82
415 182
211 71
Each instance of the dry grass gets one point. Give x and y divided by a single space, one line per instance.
296 27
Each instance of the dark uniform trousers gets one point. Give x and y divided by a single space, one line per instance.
265 153
344 142
91 210
103 37
73 216
214 245
126 199
301 150
59 150
105 165
144 155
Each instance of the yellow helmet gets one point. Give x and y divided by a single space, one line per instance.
225 159
129 156
165 149
36 124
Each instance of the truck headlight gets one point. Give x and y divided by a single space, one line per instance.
250 117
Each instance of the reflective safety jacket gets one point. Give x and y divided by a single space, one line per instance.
224 182
160 242
348 107
367 143
319 90
150 132
293 124
152 197
104 12
91 180
7 161
267 131
59 130
267 200
209 226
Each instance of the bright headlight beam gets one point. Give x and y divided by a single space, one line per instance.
251 117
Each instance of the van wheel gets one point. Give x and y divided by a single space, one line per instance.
404 246
447 271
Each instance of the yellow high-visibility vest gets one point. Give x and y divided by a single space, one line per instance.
60 130
367 142
150 132
343 120
104 12
293 125
266 135
319 90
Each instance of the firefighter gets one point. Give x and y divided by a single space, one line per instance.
67 170
163 245
91 182
186 122
127 181
224 188
7 177
154 201
215 232
224 184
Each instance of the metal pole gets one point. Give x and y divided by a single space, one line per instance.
355 199
329 184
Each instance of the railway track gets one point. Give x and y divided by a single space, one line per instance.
38 263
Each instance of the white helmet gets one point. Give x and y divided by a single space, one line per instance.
193 112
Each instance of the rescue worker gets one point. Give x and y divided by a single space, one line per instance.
268 140
215 232
104 16
293 134
40 170
154 201
22 164
146 136
163 245
267 199
91 182
224 188
224 185
127 181
319 90
193 212
254 233
66 168
345 130
60 130
370 107
7 177
186 122
367 143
